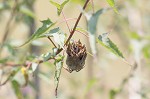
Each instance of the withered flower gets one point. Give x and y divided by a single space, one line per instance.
76 55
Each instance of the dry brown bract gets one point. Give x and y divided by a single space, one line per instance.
76 55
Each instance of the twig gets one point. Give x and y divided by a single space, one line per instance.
75 26
70 36
52 41
7 28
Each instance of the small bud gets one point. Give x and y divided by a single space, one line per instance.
76 55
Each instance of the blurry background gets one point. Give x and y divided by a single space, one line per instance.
107 77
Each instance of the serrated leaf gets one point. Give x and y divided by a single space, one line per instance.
59 6
16 89
92 27
47 24
112 4
107 43
58 65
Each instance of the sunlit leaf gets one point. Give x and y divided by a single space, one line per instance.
92 21
112 4
107 43
34 66
59 37
25 74
41 31
112 94
134 35
16 88
59 6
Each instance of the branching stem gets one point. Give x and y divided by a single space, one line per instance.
52 41
75 26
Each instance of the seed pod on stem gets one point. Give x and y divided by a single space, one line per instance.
76 55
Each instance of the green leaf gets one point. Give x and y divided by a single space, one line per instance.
34 66
134 35
92 21
3 60
59 37
27 11
146 51
106 42
90 84
25 74
92 27
112 94
47 56
47 24
58 65
59 6
112 4
16 89
55 30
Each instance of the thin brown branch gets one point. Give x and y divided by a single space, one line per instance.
77 22
51 41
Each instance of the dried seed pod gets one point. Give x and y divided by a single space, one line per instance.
76 55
